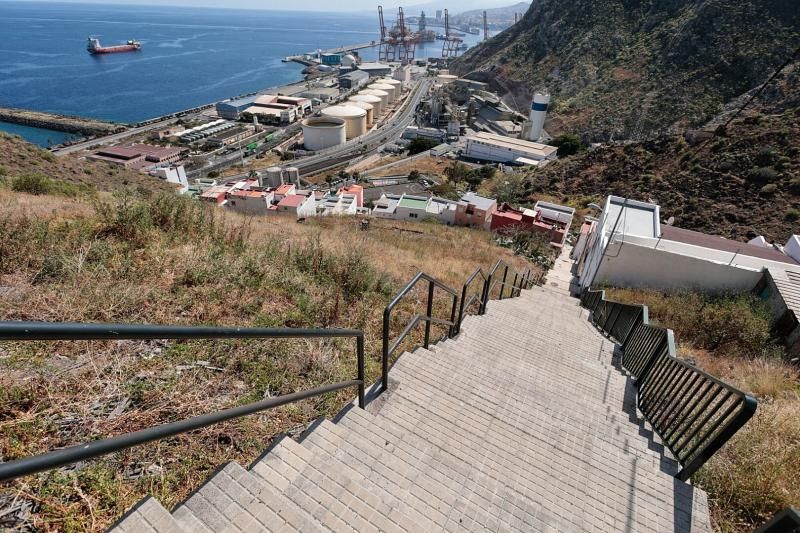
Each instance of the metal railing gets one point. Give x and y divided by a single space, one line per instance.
35 331
786 521
692 411
521 280
428 318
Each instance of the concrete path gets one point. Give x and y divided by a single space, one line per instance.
521 423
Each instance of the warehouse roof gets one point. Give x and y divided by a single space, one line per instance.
515 144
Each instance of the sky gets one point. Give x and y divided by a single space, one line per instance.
308 5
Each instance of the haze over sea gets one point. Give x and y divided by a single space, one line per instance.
189 57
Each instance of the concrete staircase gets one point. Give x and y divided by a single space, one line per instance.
523 422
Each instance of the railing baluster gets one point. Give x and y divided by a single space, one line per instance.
429 314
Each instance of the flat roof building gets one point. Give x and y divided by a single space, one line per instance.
491 147
354 79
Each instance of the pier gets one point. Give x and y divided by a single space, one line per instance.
66 123
303 59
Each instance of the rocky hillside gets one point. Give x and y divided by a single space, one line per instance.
631 68
741 183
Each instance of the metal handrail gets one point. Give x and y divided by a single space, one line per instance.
524 279
693 412
31 331
427 318
482 298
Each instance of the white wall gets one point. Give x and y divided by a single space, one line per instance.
307 208
631 265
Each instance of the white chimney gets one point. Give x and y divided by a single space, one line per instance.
538 113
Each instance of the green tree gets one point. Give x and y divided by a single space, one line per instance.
568 144
420 144
414 175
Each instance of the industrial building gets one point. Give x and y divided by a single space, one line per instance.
323 94
376 70
413 132
355 119
230 136
490 147
232 109
139 156
330 59
320 133
272 109
353 80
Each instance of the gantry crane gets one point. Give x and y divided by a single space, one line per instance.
451 42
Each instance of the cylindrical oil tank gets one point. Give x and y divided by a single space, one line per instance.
398 85
292 175
355 118
385 87
383 95
323 132
273 177
374 101
366 107
444 79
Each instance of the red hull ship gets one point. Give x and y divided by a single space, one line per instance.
94 47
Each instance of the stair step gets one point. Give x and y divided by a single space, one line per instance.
149 517
479 500
327 441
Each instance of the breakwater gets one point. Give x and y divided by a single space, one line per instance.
57 122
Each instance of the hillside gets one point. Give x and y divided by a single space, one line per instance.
171 260
740 184
18 157
494 14
627 69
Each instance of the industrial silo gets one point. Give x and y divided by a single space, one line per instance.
273 177
374 101
383 95
355 118
369 108
323 132
541 99
385 87
292 175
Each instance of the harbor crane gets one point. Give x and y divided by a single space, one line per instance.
451 42
398 43
485 27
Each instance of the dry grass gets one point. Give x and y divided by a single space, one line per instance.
757 473
170 260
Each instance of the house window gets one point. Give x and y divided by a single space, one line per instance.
412 215
470 211
233 202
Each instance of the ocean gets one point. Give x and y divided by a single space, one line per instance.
189 56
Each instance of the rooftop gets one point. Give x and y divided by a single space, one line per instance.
413 202
285 188
293 200
515 144
478 201
695 238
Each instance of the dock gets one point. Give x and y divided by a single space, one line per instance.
302 59
58 122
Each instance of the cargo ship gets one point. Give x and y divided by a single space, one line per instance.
94 47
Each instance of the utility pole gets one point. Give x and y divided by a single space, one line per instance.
485 27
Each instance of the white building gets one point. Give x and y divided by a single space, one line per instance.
299 205
629 247
491 147
175 174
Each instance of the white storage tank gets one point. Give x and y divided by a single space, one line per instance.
444 79
383 95
385 87
272 178
355 118
323 132
398 85
292 175
366 107
374 101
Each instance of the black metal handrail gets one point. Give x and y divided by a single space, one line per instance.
786 521
693 412
428 318
522 280
32 331
481 298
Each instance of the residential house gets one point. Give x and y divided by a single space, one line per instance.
475 211
412 208
386 206
302 206
355 190
551 220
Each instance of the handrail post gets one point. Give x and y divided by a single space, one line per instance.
385 352
514 285
361 377
455 328
503 285
429 315
486 288
461 308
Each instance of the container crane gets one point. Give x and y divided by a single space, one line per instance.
451 42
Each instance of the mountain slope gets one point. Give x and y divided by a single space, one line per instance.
739 184
628 68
